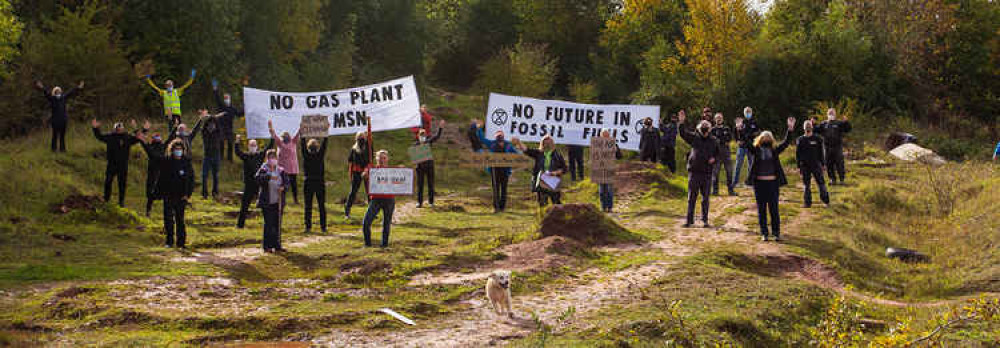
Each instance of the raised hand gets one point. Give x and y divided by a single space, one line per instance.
215 84
39 84
81 84
132 122
193 72
791 123
270 125
146 124
203 113
94 123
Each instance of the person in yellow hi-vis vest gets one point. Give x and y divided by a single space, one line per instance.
171 98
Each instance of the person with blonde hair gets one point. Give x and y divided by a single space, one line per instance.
705 151
548 161
357 161
766 176
57 102
377 202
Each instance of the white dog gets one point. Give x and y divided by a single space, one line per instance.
498 292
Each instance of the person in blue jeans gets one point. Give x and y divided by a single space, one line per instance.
606 192
746 132
996 151
499 176
377 202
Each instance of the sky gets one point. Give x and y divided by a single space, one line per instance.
761 5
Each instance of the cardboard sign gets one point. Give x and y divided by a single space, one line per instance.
314 126
498 160
602 160
390 181
420 153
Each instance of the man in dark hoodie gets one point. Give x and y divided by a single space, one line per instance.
649 141
724 135
832 130
155 152
746 131
704 153
810 153
57 102
229 113
314 166
119 143
253 159
668 142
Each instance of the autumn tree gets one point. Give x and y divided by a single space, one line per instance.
524 69
716 38
10 35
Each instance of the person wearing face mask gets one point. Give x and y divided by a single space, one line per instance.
288 157
119 144
649 141
175 185
547 161
499 176
182 132
273 181
746 131
357 161
766 176
155 151
57 102
212 138
705 151
425 169
810 153
706 114
253 159
385 203
172 100
229 113
724 135
314 166
668 142
832 130
606 192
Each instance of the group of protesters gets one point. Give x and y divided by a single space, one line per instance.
270 171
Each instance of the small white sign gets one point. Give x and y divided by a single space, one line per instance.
390 181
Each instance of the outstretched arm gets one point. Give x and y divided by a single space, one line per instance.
149 81
41 87
788 131
96 127
270 128
188 83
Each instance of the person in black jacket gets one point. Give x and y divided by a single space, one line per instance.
547 161
59 121
175 185
253 159
704 153
575 153
229 113
357 161
746 132
766 176
119 143
832 131
212 138
668 142
314 165
425 169
155 152
810 153
649 141
724 135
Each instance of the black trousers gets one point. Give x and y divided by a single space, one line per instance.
228 143
814 172
272 226
500 177
173 220
249 195
835 164
59 138
356 181
698 184
544 197
152 176
668 158
647 155
425 173
766 193
113 171
293 181
576 166
315 189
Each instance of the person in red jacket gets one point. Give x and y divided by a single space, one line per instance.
425 122
376 202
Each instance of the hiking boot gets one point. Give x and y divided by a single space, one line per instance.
777 238
763 238
420 205
687 225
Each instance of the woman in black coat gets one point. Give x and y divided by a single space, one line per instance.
766 176
175 185
59 121
547 160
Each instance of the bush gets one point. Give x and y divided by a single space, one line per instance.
524 70
880 198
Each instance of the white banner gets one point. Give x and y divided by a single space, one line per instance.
568 123
390 181
391 105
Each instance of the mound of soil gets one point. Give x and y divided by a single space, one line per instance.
75 202
229 198
585 224
366 267
635 177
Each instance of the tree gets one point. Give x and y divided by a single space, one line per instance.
627 35
10 35
485 27
716 38
277 37
524 69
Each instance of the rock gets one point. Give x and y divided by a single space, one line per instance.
906 255
583 223
894 139
912 152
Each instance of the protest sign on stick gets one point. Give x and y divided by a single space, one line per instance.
602 160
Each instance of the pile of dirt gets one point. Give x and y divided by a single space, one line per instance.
366 267
76 202
636 177
585 224
229 198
